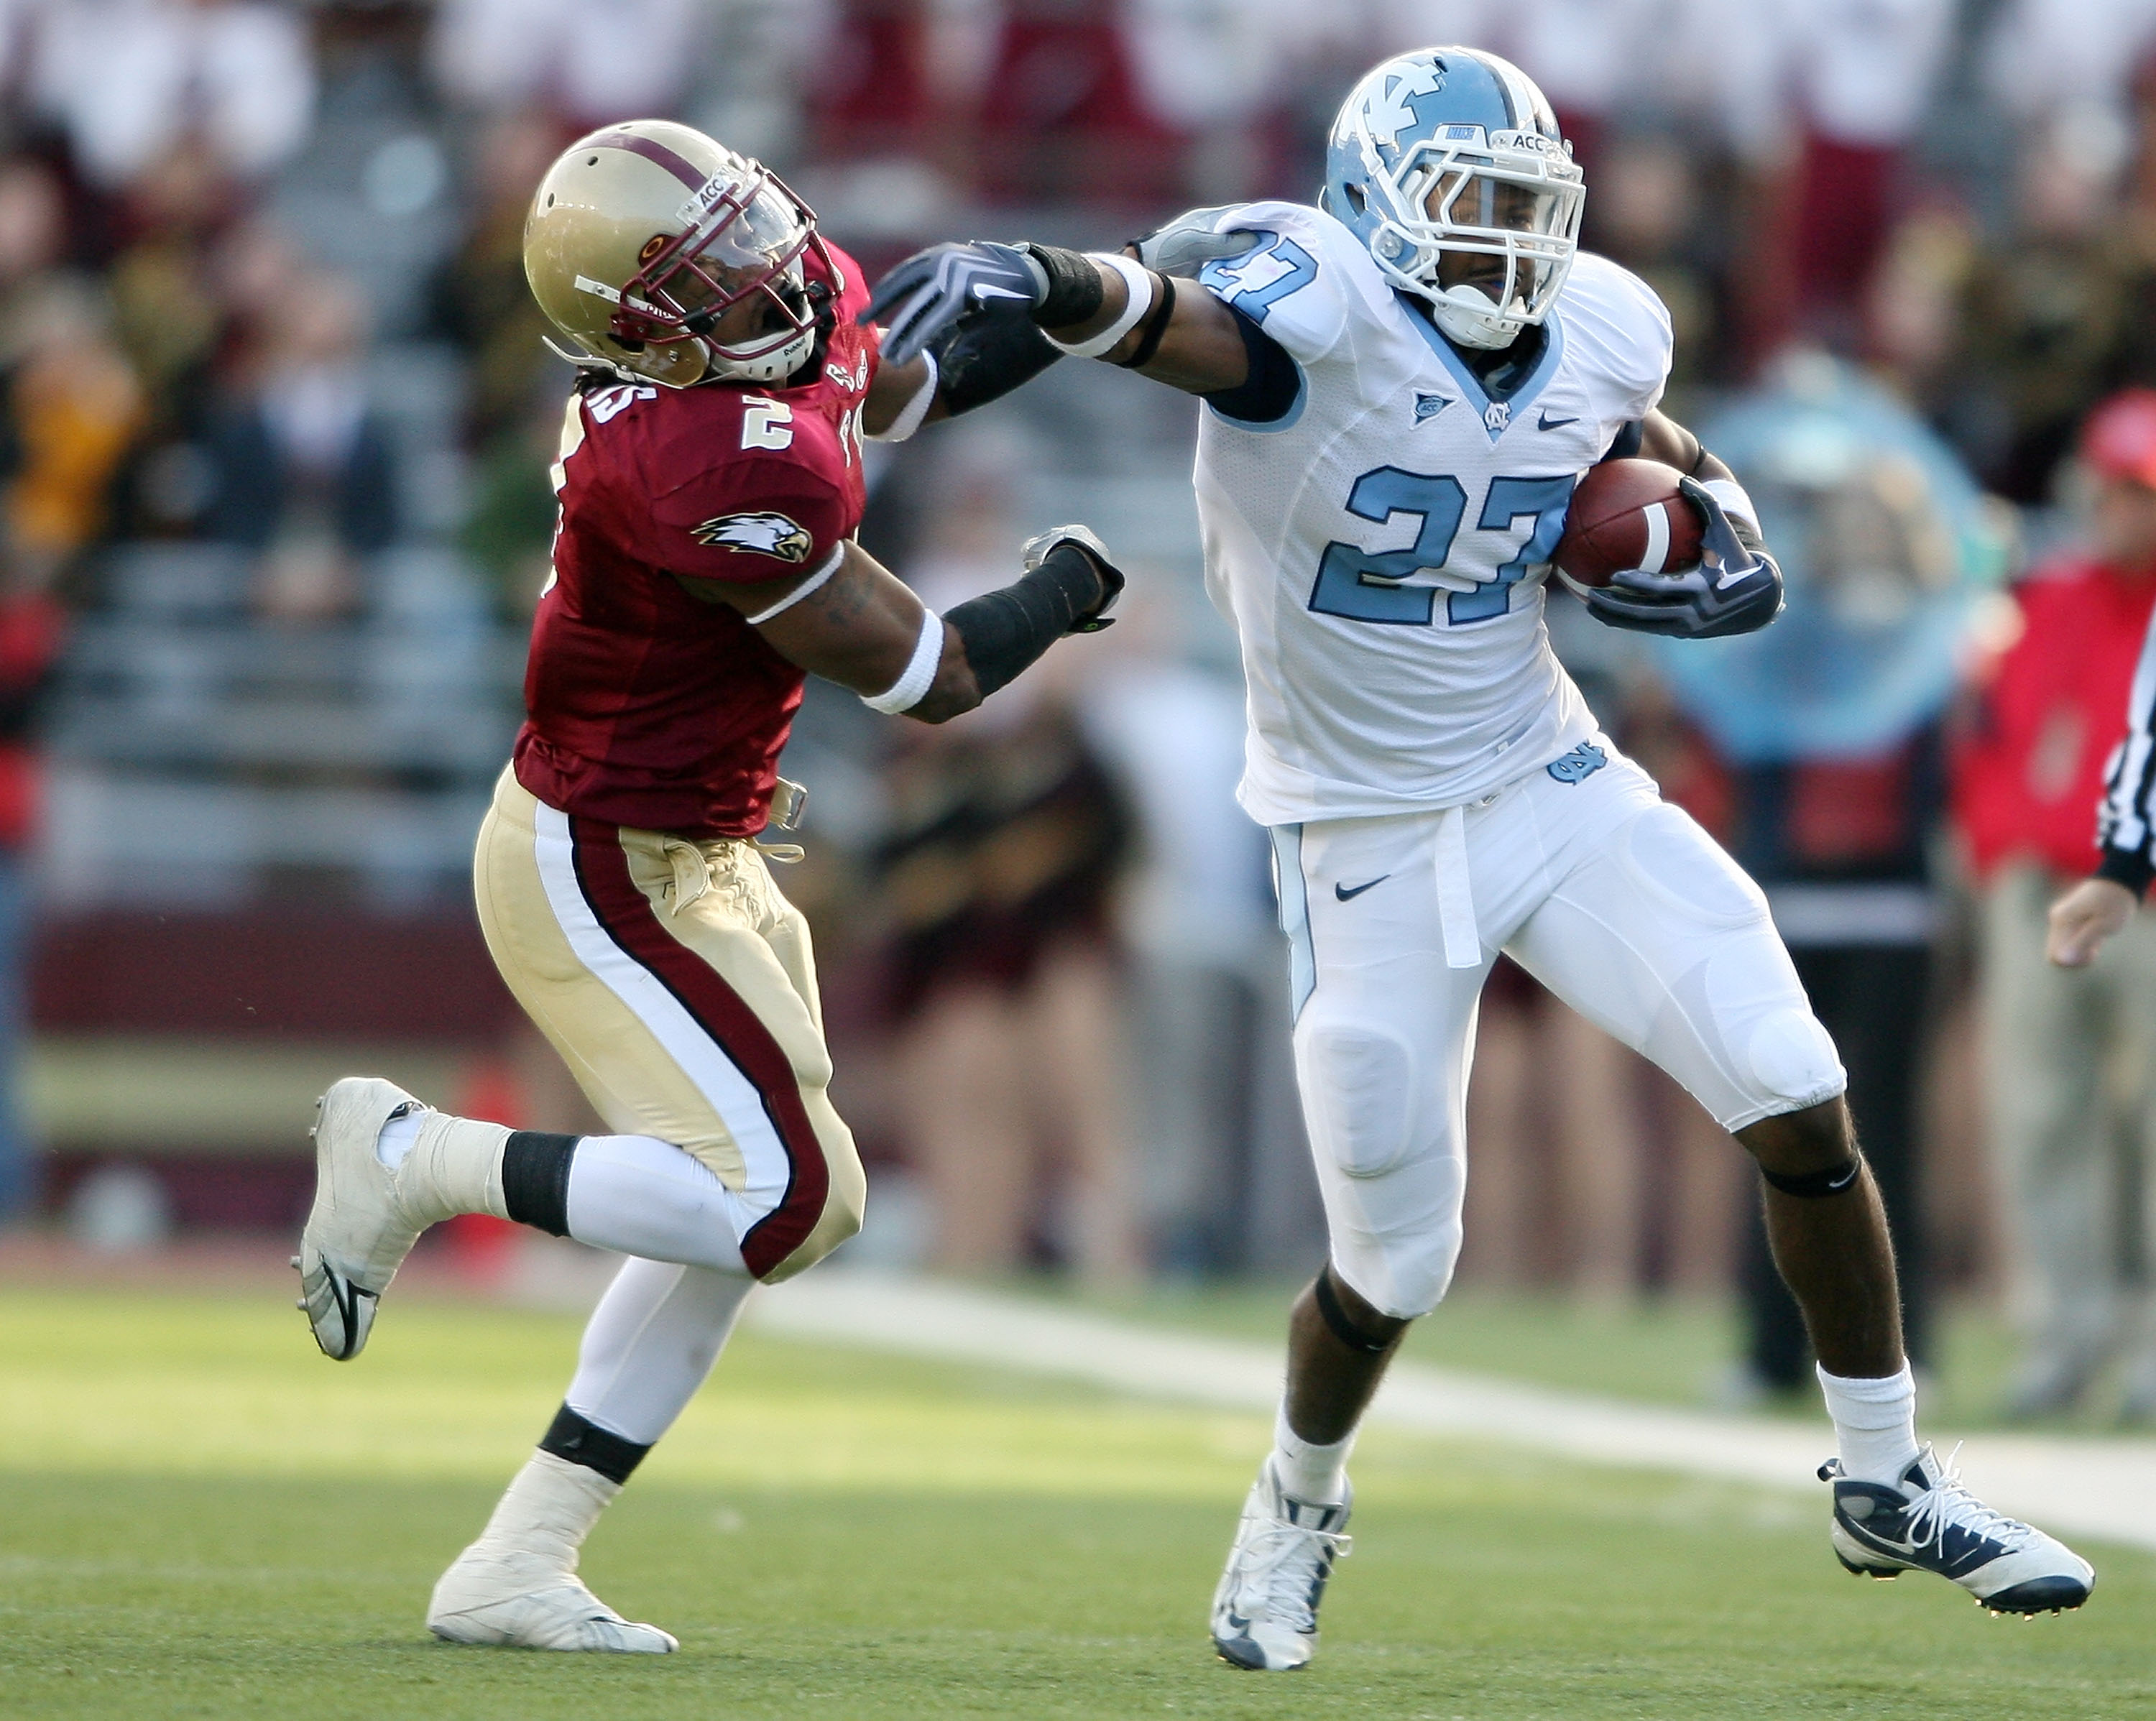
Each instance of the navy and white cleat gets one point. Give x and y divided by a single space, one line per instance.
1264 1613
357 1232
1931 1523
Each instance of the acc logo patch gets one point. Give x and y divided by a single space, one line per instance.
765 534
1581 762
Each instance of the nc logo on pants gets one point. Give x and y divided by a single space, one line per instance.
1581 762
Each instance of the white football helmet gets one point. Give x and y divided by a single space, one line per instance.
1451 152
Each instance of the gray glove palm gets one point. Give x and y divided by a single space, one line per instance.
1183 246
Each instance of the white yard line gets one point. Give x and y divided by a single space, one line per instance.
2093 1488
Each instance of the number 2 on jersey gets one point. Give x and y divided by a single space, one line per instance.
1361 585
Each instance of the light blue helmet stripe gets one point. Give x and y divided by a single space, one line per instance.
1520 96
1476 96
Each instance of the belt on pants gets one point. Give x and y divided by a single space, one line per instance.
1455 892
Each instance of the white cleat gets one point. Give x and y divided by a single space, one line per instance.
357 1232
525 1601
1264 1613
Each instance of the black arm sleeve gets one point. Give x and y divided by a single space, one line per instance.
1268 393
987 353
2129 867
1625 444
1005 631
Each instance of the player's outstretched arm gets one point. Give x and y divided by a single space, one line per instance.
1738 590
1029 304
861 628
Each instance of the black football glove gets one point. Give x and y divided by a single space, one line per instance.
932 289
1035 551
1737 589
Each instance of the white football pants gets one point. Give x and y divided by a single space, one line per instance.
1614 900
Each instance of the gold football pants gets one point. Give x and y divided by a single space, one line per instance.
678 986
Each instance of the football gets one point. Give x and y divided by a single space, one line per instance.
1627 514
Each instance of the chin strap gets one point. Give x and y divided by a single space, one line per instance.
1481 325
590 364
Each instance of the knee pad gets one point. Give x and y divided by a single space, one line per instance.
1792 1058
1404 1276
1361 1084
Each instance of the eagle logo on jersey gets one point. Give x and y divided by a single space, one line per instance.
765 534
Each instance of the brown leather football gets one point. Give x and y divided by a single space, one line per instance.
1627 514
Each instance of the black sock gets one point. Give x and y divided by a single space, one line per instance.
535 1179
577 1440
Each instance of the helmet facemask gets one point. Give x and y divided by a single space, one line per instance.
1511 198
743 237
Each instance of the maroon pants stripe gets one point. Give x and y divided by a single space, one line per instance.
631 921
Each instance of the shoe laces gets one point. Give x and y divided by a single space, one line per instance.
1282 1563
1948 1503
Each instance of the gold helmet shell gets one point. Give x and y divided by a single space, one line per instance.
643 236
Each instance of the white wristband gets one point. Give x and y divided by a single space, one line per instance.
1143 289
814 582
1731 496
912 687
915 410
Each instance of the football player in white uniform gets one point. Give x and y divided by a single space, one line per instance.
1402 386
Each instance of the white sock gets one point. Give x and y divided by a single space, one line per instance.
1315 1474
547 1511
450 1166
650 1343
1875 1423
643 1197
396 1139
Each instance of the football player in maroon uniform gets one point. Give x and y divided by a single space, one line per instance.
710 477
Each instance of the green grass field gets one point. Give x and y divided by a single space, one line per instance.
1663 1351
200 1517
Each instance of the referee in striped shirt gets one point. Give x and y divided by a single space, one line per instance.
2101 905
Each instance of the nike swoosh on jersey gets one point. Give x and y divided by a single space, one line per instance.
1345 894
1546 423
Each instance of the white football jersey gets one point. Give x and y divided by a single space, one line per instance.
1381 549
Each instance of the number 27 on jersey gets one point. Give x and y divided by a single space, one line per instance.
1363 585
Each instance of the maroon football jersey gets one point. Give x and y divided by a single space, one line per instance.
647 707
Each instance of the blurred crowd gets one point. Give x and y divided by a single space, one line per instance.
263 333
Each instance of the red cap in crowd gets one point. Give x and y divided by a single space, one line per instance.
2119 439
